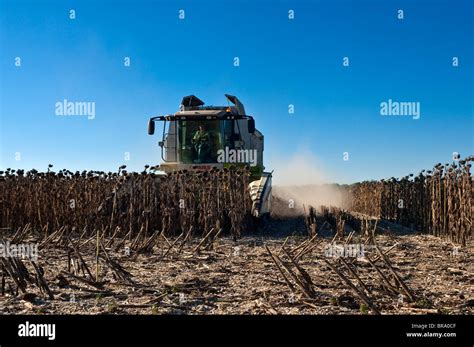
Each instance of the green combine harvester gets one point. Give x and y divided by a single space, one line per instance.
200 138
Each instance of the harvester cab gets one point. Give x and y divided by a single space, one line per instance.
199 138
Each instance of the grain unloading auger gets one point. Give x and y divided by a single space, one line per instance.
201 138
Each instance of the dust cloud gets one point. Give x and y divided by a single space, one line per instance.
300 182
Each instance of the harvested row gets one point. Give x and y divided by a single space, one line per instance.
330 271
437 201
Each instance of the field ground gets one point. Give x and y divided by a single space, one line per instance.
241 278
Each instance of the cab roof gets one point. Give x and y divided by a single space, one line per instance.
206 112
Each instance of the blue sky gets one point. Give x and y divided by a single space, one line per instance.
282 62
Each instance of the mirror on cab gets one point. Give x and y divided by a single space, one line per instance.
251 125
151 127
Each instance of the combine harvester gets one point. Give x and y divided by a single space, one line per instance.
200 138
